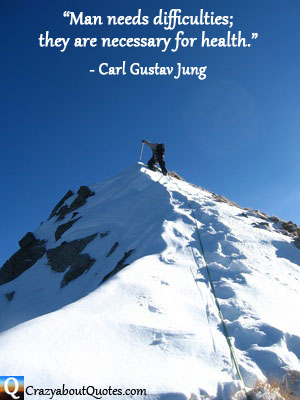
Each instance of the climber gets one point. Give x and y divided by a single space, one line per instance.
158 155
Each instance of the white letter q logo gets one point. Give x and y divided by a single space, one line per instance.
16 387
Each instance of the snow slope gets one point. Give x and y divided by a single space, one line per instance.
154 324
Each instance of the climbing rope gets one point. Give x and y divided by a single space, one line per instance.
231 348
226 333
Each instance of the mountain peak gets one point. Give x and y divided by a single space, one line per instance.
131 272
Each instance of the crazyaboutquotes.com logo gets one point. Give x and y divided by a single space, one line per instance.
11 387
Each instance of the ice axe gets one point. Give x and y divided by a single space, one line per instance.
142 148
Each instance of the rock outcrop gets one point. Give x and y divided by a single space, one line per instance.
64 227
62 209
31 250
120 265
82 195
112 249
68 255
10 295
60 203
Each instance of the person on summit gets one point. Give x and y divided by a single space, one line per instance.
158 156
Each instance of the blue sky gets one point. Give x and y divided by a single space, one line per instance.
235 133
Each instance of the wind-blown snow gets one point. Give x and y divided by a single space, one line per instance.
154 324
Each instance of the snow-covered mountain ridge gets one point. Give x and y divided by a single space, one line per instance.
113 291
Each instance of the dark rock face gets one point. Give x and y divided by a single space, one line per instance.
63 228
274 219
292 230
82 195
262 225
10 295
27 240
297 242
102 235
60 203
256 213
244 215
175 175
290 226
85 192
81 264
68 254
62 212
112 249
120 265
31 250
223 199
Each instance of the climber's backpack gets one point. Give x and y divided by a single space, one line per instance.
160 149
